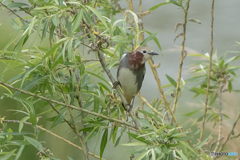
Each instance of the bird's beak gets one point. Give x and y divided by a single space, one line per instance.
153 53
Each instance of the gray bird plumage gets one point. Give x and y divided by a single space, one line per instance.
131 71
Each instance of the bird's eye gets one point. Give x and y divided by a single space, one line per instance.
144 51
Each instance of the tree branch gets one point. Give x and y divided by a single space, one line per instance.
68 105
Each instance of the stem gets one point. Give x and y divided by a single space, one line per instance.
67 105
181 58
219 117
209 75
230 133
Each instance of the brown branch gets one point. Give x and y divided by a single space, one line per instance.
67 105
209 75
55 135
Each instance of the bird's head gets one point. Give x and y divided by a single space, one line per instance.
139 56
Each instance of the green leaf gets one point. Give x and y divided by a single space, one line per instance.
120 39
155 40
58 119
55 20
45 29
134 144
158 5
31 25
98 15
118 140
230 86
96 104
203 142
19 152
199 90
191 113
16 4
8 155
221 64
33 119
35 143
77 21
149 38
135 136
55 47
32 83
171 80
99 77
141 157
181 155
103 142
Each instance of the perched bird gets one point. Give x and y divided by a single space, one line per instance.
131 72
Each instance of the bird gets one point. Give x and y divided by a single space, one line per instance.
131 71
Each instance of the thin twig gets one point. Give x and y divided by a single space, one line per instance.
209 75
67 105
230 133
154 71
219 117
178 89
55 135
13 12
150 106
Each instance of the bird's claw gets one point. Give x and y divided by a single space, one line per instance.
128 109
115 84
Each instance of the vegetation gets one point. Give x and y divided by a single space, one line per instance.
58 79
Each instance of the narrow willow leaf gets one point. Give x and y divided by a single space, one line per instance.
21 123
199 90
203 142
171 80
31 25
58 119
121 39
149 38
8 155
158 5
191 113
77 21
103 142
98 15
96 104
155 40
55 20
182 155
30 70
142 155
99 77
55 47
16 4
45 29
135 144
35 143
19 152
230 86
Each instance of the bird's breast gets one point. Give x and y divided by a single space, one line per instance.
128 81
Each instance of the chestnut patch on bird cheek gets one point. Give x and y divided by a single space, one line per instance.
135 60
